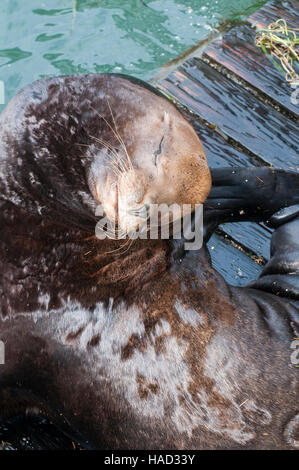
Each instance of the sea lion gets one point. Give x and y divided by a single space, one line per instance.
148 348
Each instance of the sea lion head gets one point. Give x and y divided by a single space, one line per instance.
69 144
161 161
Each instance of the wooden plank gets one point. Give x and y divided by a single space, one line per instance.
218 150
237 52
221 154
272 11
236 267
236 112
255 237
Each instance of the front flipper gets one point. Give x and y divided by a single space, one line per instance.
248 194
280 276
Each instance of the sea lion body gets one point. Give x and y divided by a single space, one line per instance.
149 349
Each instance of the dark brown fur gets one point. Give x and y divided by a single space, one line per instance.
140 350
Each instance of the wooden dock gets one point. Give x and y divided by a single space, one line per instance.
240 106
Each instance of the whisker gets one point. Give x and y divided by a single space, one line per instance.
110 127
119 161
106 145
116 134
118 249
119 134
119 164
128 248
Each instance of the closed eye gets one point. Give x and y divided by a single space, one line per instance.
157 152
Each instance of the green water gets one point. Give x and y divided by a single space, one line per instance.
54 37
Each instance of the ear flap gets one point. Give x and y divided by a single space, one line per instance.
166 120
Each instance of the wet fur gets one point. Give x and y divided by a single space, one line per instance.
147 350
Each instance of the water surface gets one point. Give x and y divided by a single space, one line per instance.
54 37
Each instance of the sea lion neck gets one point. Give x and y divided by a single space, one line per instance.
48 258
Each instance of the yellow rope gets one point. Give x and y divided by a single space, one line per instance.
282 43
